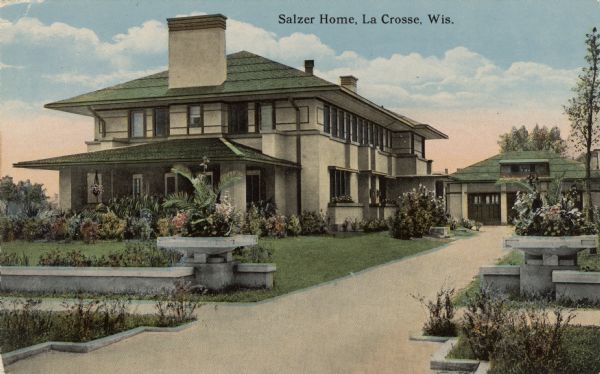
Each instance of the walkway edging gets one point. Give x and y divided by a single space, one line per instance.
33 350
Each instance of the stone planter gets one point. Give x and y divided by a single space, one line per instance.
211 257
543 255
254 275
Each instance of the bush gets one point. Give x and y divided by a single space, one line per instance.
374 225
177 307
111 227
532 344
145 254
441 314
58 228
13 259
138 228
483 323
254 222
293 226
254 254
7 229
33 229
419 211
57 257
313 223
88 231
276 226
164 227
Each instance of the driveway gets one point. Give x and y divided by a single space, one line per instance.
358 324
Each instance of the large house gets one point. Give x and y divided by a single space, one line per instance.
297 139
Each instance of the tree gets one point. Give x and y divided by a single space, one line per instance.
583 110
539 139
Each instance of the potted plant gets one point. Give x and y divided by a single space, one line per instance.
207 226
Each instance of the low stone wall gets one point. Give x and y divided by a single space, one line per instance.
254 275
501 279
577 285
140 281
49 279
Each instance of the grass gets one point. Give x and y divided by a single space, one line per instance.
33 250
302 261
580 345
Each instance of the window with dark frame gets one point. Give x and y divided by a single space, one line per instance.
254 190
327 119
238 118
359 131
334 122
137 124
339 183
354 129
341 124
371 135
264 117
196 117
161 122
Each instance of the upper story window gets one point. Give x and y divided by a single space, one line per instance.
196 116
137 124
522 168
161 122
264 117
327 119
354 129
418 146
334 122
238 118
341 124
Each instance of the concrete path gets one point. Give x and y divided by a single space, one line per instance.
359 324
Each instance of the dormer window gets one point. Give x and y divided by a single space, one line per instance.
522 168
238 118
137 124
196 117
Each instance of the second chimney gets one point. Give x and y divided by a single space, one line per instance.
309 66
197 51
349 82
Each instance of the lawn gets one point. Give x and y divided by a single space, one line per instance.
301 261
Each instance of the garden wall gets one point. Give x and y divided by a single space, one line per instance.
102 280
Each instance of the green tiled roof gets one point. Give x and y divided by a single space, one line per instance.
489 170
246 73
166 151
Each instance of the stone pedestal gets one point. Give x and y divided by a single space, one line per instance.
536 280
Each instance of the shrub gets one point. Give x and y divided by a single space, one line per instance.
346 224
374 224
7 229
482 323
419 211
276 226
293 226
313 223
535 216
88 231
532 344
13 259
254 254
111 227
355 225
468 223
58 228
254 222
441 314
138 228
21 323
145 254
74 227
33 229
164 228
177 306
57 257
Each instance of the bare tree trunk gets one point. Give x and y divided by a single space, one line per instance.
590 132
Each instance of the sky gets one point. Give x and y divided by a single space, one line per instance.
491 66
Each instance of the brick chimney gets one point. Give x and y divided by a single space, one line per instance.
349 82
309 66
197 51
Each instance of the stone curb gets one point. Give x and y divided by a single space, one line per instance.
439 362
20 354
429 338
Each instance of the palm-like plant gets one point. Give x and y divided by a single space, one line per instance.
201 204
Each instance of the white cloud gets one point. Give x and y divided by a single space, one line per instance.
100 80
5 3
7 66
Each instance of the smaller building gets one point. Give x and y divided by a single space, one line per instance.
484 192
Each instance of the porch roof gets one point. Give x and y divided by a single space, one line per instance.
166 151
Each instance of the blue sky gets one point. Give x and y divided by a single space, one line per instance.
501 63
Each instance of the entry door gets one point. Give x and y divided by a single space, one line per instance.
511 199
485 208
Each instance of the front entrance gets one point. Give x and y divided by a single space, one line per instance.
485 208
511 199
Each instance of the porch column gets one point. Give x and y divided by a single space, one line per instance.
364 186
64 189
465 201
237 192
503 205
354 186
280 192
